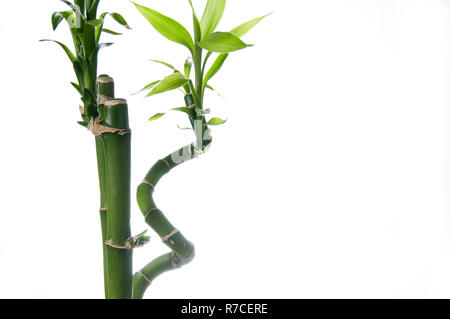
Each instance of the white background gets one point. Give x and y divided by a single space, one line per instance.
330 179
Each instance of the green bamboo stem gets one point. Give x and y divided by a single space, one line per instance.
117 150
182 250
105 91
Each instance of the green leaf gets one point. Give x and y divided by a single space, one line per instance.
197 28
211 17
57 17
223 42
95 22
75 8
156 117
147 87
186 110
184 128
247 26
216 121
93 56
76 86
187 67
171 82
214 90
118 17
170 66
111 32
167 27
215 67
65 48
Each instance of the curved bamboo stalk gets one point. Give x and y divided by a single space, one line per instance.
183 251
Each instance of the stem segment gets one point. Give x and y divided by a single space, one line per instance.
105 90
117 150
182 250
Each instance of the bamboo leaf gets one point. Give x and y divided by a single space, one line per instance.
215 67
170 66
111 32
187 67
95 22
76 86
171 82
242 29
57 17
147 87
223 42
93 56
197 28
119 19
167 27
216 121
156 117
75 8
214 90
184 128
211 17
65 48
186 110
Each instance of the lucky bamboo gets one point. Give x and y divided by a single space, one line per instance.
106 117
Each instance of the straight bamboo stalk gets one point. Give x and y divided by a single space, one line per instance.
105 91
118 152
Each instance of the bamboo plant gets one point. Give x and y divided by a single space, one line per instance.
107 118
204 43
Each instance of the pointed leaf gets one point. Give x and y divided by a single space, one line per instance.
65 48
147 87
247 26
156 117
111 32
57 17
118 17
74 7
186 110
170 66
184 128
171 82
95 22
76 86
197 28
215 67
211 17
216 121
168 27
223 42
214 90
93 56
187 67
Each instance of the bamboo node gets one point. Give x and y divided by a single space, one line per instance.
105 79
148 183
167 237
98 129
150 211
132 242
101 98
165 162
173 261
145 277
103 209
